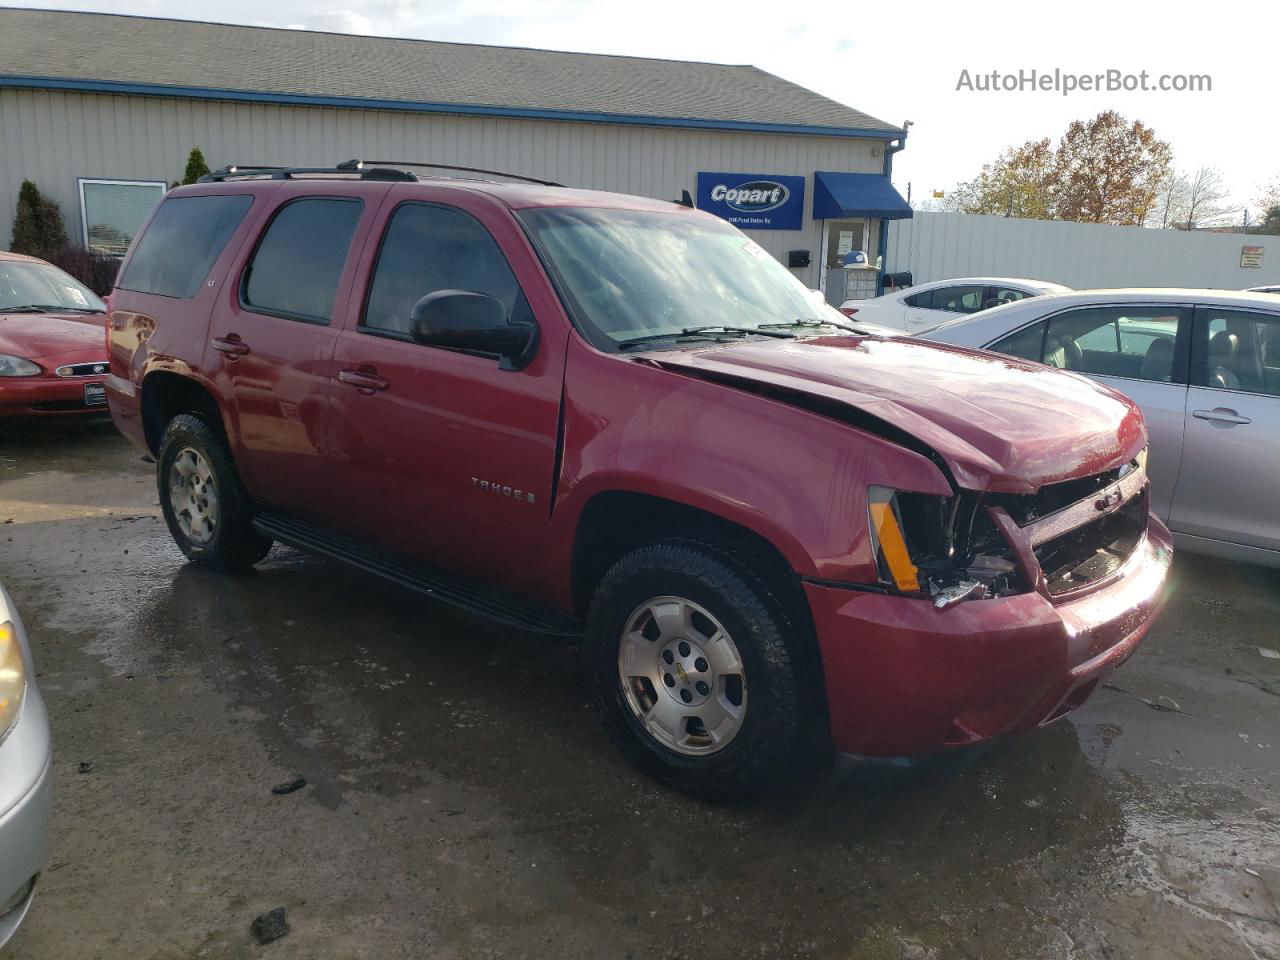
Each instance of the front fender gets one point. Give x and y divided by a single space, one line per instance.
792 476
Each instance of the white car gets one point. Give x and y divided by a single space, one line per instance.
1204 366
24 774
928 304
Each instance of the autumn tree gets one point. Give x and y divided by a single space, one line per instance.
38 230
1104 170
1020 183
1109 170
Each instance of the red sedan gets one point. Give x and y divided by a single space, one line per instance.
52 348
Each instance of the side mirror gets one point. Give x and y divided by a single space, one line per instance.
475 322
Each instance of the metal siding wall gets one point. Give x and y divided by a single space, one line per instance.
936 246
54 137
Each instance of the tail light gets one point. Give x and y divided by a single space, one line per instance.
848 311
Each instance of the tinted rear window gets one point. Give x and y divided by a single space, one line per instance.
181 244
296 268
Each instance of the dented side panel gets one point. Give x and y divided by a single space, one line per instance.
794 477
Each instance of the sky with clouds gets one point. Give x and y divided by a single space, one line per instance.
897 61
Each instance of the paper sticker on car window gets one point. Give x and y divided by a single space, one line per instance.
754 249
76 296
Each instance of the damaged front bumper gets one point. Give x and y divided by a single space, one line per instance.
904 677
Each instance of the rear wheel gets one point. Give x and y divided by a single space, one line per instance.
204 504
694 664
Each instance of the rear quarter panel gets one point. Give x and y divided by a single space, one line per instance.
147 333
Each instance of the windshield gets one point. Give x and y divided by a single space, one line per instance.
630 274
27 284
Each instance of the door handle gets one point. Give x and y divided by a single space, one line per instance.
1220 415
363 378
231 345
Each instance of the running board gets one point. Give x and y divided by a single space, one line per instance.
447 588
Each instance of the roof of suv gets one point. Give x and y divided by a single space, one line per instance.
517 196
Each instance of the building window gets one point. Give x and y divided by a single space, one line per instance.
113 211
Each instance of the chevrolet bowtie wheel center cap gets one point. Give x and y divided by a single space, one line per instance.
686 674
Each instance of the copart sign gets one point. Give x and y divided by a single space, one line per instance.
753 201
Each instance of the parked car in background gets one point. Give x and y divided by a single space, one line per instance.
622 421
1271 289
25 761
823 309
53 355
928 304
1204 365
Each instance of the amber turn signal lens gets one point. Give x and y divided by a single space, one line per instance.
890 544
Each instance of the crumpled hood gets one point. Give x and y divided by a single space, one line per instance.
1000 424
36 336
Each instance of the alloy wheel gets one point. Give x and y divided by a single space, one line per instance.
682 676
193 495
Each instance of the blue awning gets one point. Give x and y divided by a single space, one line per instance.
857 195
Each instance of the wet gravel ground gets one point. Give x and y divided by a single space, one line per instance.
461 800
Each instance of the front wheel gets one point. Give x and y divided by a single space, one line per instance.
694 665
204 504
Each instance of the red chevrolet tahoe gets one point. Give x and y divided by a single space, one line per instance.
614 418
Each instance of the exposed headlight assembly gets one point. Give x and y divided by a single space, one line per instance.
11 366
945 549
892 554
13 677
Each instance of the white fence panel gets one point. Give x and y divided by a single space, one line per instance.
937 246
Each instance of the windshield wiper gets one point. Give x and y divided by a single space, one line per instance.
814 322
47 308
697 333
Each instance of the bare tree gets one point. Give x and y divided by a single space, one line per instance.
1268 195
1205 193
1171 201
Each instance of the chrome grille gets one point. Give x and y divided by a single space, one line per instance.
1091 539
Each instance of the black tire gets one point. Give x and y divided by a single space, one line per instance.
231 543
769 736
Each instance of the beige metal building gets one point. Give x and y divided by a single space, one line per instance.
101 111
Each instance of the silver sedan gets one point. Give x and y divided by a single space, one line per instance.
1204 366
25 761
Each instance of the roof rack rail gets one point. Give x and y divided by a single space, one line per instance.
361 164
233 171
